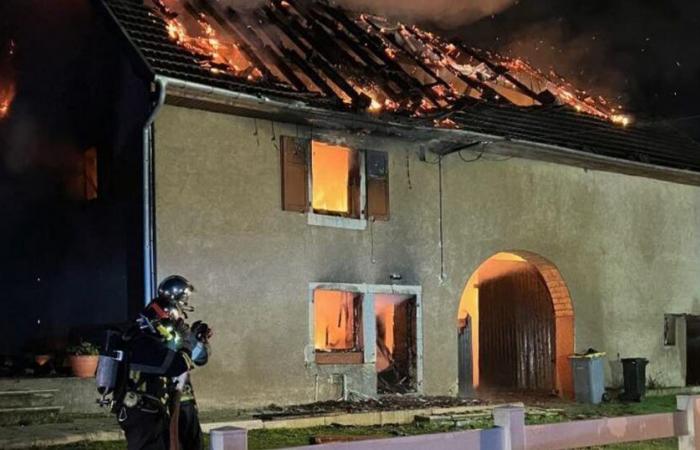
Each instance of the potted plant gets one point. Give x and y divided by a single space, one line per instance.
83 359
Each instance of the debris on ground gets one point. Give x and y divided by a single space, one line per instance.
384 403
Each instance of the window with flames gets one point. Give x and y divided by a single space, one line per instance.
338 326
328 179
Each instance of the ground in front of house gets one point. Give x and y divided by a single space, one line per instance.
538 412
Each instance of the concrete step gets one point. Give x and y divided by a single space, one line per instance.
29 416
27 398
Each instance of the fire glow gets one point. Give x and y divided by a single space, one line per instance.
363 61
7 84
7 95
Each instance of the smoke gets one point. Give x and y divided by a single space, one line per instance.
443 13
644 56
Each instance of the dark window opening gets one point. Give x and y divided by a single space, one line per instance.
669 329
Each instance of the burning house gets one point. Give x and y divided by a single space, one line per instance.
366 207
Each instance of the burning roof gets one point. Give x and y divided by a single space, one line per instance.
323 55
362 61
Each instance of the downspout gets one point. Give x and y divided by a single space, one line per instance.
149 269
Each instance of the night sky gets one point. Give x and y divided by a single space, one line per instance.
646 53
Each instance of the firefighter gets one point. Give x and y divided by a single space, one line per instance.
196 337
149 380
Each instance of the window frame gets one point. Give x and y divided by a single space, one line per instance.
327 220
369 331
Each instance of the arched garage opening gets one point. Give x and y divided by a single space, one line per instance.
516 326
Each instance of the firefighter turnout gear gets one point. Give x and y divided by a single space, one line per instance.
145 372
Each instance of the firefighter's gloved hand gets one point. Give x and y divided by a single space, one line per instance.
201 331
181 381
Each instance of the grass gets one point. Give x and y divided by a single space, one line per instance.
273 439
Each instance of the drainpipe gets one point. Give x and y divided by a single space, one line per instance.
149 268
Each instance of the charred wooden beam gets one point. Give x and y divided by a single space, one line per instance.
487 91
207 7
291 56
394 71
502 71
308 71
359 101
331 30
248 33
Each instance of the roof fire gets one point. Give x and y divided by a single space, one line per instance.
362 61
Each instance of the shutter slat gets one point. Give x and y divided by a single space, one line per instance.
293 158
377 185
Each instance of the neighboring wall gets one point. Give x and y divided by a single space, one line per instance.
626 247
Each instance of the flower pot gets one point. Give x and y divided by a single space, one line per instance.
83 366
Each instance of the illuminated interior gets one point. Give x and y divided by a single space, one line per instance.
337 321
330 173
469 305
396 342
509 268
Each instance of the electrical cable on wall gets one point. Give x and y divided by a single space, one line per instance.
408 169
442 233
255 132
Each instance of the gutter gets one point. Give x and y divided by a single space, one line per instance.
149 263
436 137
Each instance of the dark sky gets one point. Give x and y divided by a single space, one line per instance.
644 52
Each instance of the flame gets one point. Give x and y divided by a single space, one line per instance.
7 87
334 321
450 71
7 95
221 55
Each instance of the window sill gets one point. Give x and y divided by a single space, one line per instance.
329 358
336 222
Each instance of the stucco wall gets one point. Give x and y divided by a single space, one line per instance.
626 247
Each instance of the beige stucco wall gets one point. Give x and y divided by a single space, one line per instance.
626 246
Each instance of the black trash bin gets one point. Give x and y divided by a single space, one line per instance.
634 371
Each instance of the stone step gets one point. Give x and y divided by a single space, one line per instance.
26 398
29 416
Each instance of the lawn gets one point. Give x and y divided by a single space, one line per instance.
272 439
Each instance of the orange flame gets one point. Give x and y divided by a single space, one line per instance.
453 71
7 95
221 55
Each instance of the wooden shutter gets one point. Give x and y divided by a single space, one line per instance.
377 185
354 182
293 158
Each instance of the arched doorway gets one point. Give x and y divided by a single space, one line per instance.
516 326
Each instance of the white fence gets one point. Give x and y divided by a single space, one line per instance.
511 433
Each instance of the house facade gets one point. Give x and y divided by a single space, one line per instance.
623 245
445 222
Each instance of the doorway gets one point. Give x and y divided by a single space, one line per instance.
692 327
515 327
396 344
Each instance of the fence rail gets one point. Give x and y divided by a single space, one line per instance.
511 433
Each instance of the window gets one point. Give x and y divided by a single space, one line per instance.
377 326
669 329
81 182
334 181
337 327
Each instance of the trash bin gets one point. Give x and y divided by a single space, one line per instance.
589 377
634 371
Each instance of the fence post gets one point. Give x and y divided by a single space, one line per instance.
512 420
690 404
228 438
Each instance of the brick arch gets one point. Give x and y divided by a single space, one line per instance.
563 319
